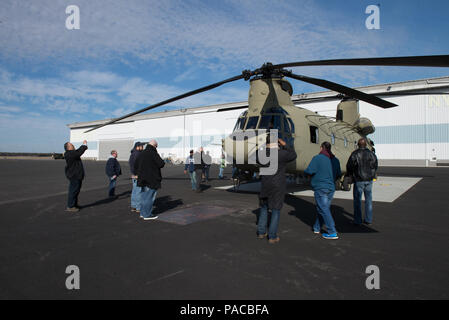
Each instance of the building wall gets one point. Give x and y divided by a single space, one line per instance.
175 135
417 130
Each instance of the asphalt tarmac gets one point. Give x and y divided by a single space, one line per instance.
204 245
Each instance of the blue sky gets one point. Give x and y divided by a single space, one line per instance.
130 54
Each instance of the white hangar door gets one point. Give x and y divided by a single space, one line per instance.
123 148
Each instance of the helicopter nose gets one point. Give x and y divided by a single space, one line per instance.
241 148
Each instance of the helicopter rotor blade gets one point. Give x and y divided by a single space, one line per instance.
343 89
384 94
182 96
410 61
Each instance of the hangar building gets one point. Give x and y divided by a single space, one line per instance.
416 133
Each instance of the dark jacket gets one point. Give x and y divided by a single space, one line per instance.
113 167
362 165
74 166
148 168
132 158
274 186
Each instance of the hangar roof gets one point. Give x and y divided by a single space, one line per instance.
413 86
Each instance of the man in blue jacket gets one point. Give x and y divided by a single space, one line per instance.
325 170
113 170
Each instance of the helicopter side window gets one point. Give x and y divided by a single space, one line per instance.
313 134
252 123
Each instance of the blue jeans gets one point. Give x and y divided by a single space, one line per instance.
365 187
235 172
147 197
263 220
206 172
112 183
220 174
135 196
323 199
193 179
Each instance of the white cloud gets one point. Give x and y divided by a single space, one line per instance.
9 109
105 94
216 35
34 114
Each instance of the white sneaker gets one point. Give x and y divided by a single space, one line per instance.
151 218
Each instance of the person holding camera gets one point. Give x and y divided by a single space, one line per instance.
273 191
74 171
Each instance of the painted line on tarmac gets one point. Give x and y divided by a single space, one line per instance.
165 277
56 194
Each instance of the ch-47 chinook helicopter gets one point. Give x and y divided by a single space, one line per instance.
270 107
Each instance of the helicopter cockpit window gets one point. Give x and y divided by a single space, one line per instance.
287 126
292 125
252 123
270 121
313 134
240 124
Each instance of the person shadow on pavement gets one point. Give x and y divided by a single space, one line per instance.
106 200
165 203
307 213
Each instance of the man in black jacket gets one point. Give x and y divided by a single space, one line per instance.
272 193
148 167
135 194
113 170
362 167
74 171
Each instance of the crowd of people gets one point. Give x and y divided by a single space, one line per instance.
323 170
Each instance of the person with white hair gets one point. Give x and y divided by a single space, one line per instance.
148 167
